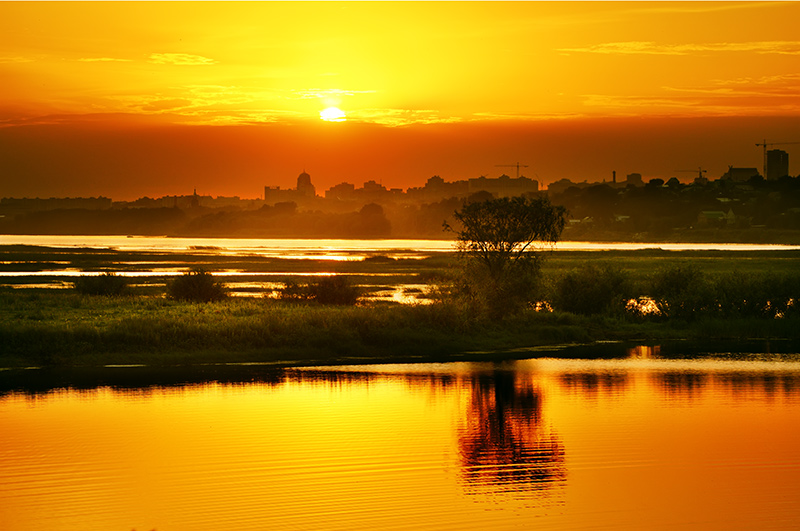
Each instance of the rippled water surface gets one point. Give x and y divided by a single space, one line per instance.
533 444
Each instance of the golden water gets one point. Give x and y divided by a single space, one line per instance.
536 444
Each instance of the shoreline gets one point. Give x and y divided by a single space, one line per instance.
120 377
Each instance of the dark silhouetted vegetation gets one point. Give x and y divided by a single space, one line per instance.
592 289
335 289
108 284
196 285
497 241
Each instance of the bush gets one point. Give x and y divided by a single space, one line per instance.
592 290
335 289
196 285
109 284
767 295
682 291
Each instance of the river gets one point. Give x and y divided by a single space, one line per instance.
302 248
631 443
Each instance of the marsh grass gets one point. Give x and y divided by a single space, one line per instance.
71 329
64 327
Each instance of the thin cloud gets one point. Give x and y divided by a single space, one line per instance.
103 60
400 117
652 48
181 59
16 59
493 116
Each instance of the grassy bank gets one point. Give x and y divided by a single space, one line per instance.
60 327
63 328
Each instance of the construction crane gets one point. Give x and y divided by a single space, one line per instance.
700 171
517 165
764 144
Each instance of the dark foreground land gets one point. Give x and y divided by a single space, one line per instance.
61 327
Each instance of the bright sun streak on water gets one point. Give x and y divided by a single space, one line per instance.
332 114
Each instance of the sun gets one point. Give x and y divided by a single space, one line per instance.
332 114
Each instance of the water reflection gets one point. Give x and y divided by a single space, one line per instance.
503 444
737 385
681 384
594 383
562 443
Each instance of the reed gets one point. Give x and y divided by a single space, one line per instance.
66 328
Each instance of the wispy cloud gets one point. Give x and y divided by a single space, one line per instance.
182 59
400 117
103 60
15 59
652 48
747 96
493 116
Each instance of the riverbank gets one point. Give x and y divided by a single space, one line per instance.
48 328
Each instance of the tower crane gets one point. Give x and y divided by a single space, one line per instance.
517 165
764 144
700 171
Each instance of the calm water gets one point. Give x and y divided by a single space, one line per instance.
334 249
534 444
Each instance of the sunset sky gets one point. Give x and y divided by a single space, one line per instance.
133 99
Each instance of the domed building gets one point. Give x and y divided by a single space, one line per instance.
304 192
304 186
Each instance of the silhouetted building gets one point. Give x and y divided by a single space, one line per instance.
716 217
305 191
634 179
777 164
504 186
739 174
342 192
304 186
561 185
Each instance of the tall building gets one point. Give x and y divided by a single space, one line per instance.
304 186
777 164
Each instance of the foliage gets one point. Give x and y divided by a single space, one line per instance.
769 295
681 291
336 289
496 240
592 289
196 285
108 283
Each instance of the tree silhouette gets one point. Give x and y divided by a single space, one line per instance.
497 241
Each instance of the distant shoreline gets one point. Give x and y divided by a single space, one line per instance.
787 240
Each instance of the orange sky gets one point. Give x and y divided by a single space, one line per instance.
132 99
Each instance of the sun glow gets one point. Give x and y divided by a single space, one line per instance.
332 114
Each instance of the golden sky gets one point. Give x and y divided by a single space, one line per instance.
425 88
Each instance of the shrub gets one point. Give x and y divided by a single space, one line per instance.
592 290
682 291
767 295
196 285
335 289
109 284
